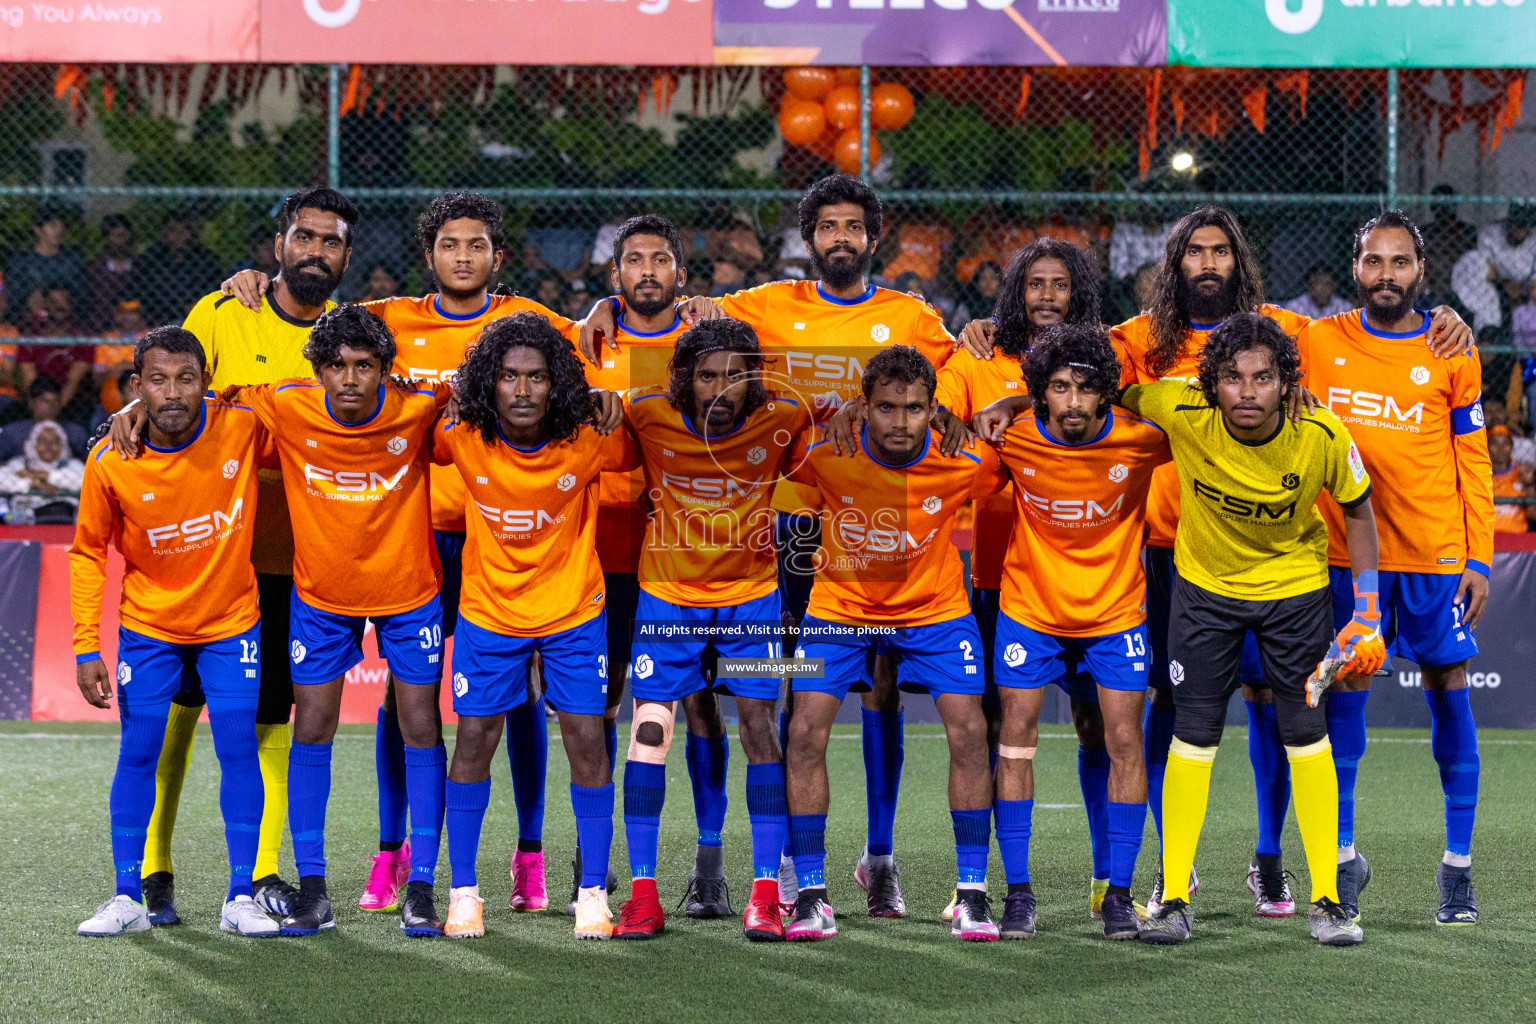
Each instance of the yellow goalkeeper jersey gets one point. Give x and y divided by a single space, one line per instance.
1250 528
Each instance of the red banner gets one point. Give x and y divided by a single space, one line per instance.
150 31
484 32
56 698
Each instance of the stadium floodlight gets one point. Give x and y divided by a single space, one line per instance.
1183 162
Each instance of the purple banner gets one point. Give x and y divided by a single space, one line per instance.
941 32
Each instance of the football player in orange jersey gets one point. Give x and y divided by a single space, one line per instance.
817 336
888 578
462 238
1419 426
1208 273
313 245
532 584
715 441
354 472
189 599
647 274
1073 594
1047 282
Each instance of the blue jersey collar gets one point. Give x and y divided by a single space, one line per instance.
202 421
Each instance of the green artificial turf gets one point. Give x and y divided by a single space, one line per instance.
56 868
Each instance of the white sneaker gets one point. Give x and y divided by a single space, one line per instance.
118 916
244 916
593 918
466 913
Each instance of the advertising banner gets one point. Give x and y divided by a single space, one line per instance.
154 32
1352 33
941 32
478 32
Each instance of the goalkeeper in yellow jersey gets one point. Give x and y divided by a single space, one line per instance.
1252 554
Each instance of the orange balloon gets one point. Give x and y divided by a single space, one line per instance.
846 151
890 105
801 121
848 76
824 145
842 106
808 83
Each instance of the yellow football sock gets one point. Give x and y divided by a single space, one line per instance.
170 773
1186 788
272 752
1315 791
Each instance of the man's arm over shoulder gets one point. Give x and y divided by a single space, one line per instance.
1344 475
1157 400
95 522
1474 471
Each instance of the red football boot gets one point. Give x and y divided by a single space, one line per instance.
761 920
641 916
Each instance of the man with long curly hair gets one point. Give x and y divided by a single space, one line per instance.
1253 558
714 442
1072 603
532 583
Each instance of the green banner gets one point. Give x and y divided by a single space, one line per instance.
1352 33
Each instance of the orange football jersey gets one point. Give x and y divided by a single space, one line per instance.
709 543
640 361
886 556
1133 343
1509 518
816 346
1074 564
182 519
1418 425
430 345
968 385
357 495
530 564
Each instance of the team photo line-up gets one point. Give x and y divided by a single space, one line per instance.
755 495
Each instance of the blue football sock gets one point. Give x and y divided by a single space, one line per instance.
241 793
768 814
884 751
309 789
593 807
808 839
1093 780
1346 735
1013 825
1453 740
784 746
389 768
466 803
528 754
707 760
425 775
1127 822
1271 776
1156 738
132 800
973 839
645 791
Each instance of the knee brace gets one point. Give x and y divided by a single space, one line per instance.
1300 726
663 718
1200 725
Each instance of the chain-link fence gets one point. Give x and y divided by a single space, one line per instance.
129 191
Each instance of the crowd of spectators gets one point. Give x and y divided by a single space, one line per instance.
52 290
